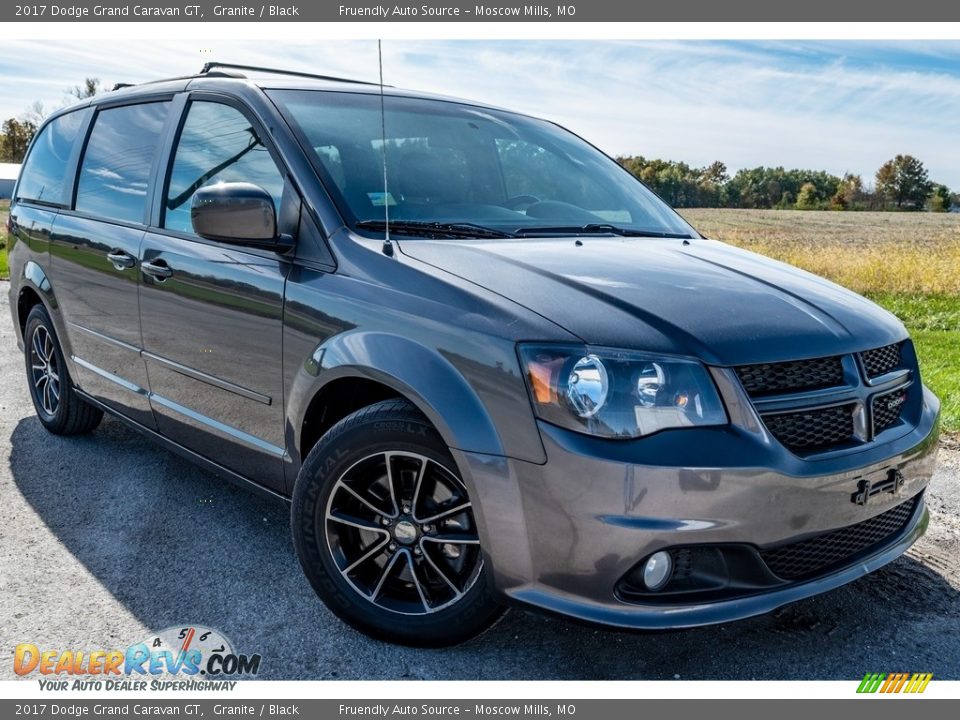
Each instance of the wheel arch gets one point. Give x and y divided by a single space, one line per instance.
34 287
354 367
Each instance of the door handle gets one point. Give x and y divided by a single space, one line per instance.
157 269
121 260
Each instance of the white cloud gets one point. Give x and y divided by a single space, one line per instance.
834 106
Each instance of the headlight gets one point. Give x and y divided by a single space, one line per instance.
619 393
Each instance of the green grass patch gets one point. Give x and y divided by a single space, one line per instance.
938 366
923 312
934 324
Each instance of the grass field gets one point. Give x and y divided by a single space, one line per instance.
907 262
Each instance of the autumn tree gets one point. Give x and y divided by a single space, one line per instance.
808 198
904 181
850 194
15 137
940 199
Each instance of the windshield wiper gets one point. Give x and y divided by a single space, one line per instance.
434 229
596 229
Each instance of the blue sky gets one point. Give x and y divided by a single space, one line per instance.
838 106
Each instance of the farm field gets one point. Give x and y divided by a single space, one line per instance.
907 262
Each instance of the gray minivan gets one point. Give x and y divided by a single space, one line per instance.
484 363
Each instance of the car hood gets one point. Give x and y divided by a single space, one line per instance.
701 298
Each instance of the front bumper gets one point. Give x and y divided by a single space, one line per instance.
560 536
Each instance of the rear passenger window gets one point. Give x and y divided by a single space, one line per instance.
217 144
43 178
115 172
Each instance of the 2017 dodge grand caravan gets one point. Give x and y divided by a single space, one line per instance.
485 364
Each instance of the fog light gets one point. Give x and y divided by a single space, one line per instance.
657 570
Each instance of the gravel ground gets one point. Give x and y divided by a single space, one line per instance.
106 538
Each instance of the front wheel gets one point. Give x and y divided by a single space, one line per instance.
386 533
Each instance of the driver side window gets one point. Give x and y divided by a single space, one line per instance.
217 144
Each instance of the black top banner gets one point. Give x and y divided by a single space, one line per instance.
495 11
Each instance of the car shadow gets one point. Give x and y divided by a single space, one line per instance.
175 545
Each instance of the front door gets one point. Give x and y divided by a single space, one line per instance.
211 313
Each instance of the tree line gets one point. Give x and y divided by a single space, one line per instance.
901 183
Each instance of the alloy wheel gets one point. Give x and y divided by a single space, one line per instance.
45 370
401 530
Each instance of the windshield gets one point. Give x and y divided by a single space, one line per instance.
449 163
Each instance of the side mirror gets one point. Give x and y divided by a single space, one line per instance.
236 212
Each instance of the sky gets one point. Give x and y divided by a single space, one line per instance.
837 106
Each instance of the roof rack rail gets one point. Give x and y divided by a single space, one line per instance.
276 71
120 86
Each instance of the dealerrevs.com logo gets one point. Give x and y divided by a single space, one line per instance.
177 658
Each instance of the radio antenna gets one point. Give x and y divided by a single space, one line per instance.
387 245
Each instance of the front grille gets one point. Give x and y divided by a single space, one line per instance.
811 429
887 408
881 360
792 376
817 554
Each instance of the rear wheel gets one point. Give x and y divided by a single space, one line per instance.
386 533
60 409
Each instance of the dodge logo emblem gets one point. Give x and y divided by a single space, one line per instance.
896 401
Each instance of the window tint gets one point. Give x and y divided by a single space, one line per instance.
43 177
217 144
426 170
332 162
115 171
453 163
532 170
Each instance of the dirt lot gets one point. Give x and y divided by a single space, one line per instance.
106 538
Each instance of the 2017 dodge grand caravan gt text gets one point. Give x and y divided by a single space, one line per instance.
485 364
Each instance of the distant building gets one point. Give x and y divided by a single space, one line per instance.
8 176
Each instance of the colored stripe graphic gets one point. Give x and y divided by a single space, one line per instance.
894 683
918 683
903 679
871 682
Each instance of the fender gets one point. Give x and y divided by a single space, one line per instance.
420 374
33 276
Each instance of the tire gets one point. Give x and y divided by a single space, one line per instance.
60 409
379 558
